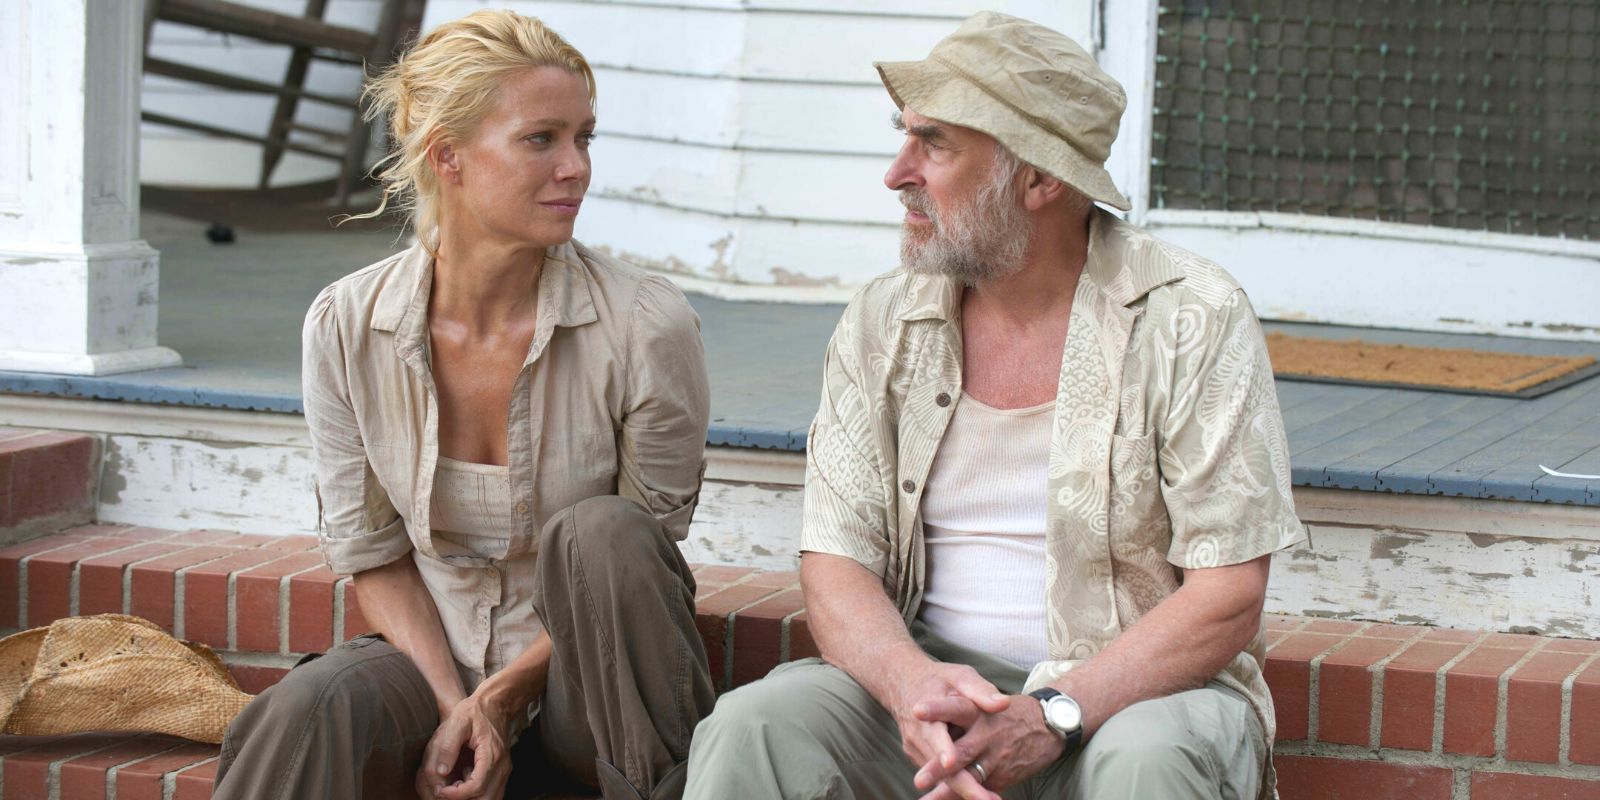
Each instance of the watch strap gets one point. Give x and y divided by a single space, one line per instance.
1044 695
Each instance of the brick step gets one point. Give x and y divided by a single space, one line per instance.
47 481
1358 703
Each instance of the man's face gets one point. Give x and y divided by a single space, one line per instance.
964 217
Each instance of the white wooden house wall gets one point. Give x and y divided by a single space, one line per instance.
744 142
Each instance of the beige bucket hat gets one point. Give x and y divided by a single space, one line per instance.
113 672
1032 89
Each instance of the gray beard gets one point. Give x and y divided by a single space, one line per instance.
982 241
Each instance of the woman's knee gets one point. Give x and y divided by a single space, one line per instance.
358 686
603 530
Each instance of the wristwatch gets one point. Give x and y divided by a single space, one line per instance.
1061 715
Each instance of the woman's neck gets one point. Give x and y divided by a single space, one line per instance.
486 286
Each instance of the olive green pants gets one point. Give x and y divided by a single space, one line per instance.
808 730
627 684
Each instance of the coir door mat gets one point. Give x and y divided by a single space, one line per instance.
1434 368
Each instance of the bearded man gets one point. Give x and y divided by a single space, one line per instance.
1043 487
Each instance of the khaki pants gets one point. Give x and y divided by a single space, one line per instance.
808 730
628 682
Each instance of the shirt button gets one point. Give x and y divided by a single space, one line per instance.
908 485
522 508
943 399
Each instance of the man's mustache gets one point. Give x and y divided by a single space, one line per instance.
917 200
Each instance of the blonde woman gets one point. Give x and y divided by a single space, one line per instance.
509 434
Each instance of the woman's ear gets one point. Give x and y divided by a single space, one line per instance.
1041 189
446 162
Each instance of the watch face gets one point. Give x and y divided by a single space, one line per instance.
1063 714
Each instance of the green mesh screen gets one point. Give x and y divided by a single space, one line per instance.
1473 114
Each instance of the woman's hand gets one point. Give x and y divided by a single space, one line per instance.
467 758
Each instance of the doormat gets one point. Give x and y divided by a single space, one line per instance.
1438 369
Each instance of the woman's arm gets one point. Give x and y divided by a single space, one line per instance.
396 602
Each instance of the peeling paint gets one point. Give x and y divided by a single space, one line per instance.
112 481
1457 321
26 262
720 268
1388 546
783 277
1564 327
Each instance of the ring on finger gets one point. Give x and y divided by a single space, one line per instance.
981 773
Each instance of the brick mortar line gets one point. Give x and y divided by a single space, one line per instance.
1437 744
1380 672
783 635
1502 714
127 579
25 562
1564 749
112 771
1452 761
254 659
1314 683
180 582
169 781
22 583
728 630
1461 784
232 603
52 773
283 607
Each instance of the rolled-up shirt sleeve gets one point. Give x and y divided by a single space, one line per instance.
359 527
667 407
845 505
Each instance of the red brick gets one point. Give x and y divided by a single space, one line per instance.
1351 779
255 680
721 574
152 583
1510 786
311 611
194 783
1471 700
255 600
1586 707
100 578
758 635
711 618
1344 696
52 475
291 544
1585 646
205 596
11 587
1533 707
219 538
355 623
1337 627
801 643
1406 632
1288 674
1409 682
776 580
86 777
1281 622
27 773
50 578
1450 635
142 781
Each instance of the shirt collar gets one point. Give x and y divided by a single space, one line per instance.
564 293
1114 266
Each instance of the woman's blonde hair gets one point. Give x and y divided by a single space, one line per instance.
442 87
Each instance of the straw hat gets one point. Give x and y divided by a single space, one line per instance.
1032 89
113 672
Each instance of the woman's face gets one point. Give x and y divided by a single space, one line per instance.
521 176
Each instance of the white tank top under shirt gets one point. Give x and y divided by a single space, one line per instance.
983 518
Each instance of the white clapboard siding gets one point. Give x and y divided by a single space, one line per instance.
743 144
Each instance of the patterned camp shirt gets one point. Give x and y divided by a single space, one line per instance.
1168 450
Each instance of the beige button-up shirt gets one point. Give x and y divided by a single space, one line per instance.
1167 449
611 399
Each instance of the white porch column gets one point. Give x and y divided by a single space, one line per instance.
77 285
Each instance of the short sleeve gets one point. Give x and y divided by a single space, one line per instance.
668 407
360 528
845 511
1224 457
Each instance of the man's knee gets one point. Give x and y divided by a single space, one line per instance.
1194 744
